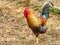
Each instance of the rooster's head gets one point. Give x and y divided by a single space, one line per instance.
26 12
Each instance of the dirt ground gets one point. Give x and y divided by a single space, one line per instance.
15 31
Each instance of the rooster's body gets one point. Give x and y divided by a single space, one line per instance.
35 24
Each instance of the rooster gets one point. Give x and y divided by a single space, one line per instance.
37 26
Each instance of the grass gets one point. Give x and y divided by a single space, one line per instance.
37 8
21 21
11 0
54 10
1 16
1 13
53 32
20 37
19 1
27 2
1 19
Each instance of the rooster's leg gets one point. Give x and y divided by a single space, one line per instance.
37 40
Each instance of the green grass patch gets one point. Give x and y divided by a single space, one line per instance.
37 8
54 10
11 0
20 37
19 1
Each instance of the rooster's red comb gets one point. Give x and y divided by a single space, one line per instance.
26 10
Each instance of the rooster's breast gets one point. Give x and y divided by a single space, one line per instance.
32 21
